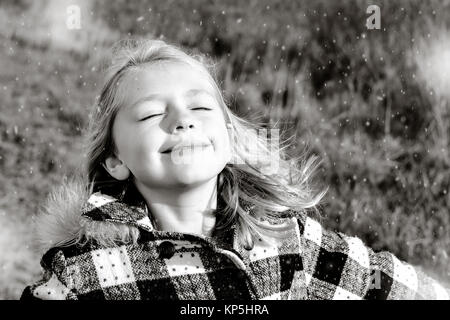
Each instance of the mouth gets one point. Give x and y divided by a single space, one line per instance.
187 147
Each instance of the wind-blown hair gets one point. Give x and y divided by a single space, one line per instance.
250 195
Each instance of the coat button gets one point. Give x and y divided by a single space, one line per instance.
166 250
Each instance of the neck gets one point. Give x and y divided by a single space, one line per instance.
188 209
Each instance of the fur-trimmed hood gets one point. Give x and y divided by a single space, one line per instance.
71 214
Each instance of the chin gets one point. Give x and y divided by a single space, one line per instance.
190 176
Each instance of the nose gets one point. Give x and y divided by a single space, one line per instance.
183 121
184 125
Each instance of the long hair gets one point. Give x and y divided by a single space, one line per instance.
250 195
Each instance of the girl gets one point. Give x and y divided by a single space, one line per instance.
182 199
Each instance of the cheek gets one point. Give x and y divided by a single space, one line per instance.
221 137
146 148
138 147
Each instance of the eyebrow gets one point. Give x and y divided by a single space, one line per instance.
188 94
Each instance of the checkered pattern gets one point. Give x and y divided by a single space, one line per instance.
312 263
341 267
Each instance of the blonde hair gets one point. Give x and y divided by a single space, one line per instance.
250 196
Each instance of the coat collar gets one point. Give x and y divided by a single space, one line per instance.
129 207
104 207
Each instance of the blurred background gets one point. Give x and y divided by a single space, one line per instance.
374 104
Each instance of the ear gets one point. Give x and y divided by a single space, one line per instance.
116 168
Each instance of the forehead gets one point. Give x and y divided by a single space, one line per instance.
166 79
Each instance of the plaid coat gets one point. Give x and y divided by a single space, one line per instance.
312 263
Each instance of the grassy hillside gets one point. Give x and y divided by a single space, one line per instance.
373 104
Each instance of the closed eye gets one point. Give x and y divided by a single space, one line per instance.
151 116
201 108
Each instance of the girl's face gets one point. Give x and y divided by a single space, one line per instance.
171 131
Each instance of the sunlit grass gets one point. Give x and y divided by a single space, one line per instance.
433 61
432 57
18 264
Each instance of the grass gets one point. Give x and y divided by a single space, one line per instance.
365 101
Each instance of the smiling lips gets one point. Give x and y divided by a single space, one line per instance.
187 147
